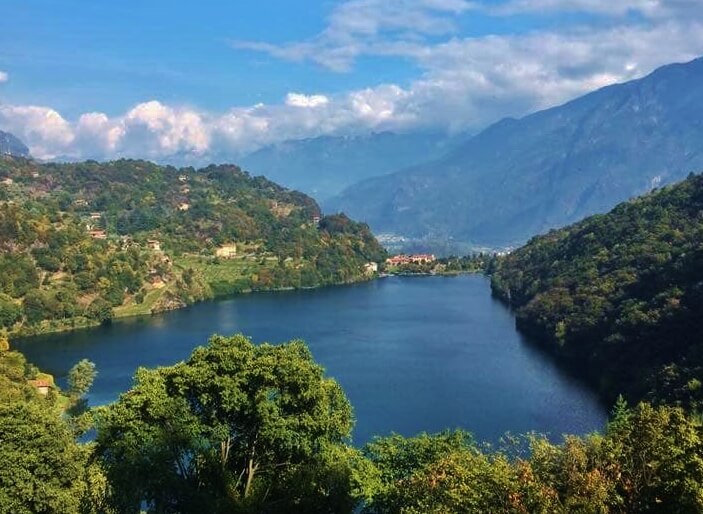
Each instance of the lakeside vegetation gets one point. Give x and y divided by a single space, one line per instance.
82 243
244 428
620 296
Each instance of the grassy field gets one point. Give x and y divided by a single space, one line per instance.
139 309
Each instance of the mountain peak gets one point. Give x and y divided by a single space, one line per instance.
10 145
521 177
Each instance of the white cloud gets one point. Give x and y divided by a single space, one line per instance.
356 26
463 82
301 100
4 77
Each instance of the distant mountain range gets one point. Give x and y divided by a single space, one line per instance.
324 166
522 177
10 145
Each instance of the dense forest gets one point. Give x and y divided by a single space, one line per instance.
620 296
245 428
81 243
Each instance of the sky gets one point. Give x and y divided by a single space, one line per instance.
214 80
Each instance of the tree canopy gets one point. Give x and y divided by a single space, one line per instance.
619 295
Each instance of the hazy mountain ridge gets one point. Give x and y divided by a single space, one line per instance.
325 165
522 177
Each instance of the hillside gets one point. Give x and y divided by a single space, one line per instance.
523 177
324 166
620 296
10 145
82 243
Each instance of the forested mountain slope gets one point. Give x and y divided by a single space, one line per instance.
522 177
620 295
82 242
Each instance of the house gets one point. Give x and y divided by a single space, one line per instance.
423 258
370 268
183 206
157 282
185 190
227 251
95 215
80 202
6 181
153 244
98 234
183 178
398 260
42 386
316 220
35 174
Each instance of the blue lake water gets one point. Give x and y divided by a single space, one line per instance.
412 354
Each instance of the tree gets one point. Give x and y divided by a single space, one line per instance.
80 378
42 466
230 430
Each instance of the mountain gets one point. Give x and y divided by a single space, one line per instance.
619 296
324 166
522 177
10 145
81 243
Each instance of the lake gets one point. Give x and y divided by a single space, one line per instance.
412 354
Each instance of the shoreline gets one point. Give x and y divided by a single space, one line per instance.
82 323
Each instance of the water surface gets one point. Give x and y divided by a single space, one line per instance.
412 354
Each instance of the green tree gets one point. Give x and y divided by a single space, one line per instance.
233 429
42 466
80 378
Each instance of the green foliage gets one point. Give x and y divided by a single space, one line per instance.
80 378
60 276
42 466
233 429
649 460
619 295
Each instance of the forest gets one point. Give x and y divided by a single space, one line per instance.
619 296
245 428
82 243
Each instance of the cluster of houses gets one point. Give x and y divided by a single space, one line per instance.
421 258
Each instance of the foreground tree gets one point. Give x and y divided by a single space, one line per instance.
236 428
648 460
42 466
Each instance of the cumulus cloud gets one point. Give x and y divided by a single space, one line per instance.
463 82
4 76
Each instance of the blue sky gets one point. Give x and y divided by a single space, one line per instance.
163 78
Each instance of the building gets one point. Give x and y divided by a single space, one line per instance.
371 268
153 244
95 215
157 282
227 251
399 260
80 202
98 234
183 178
6 181
183 206
316 220
42 386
